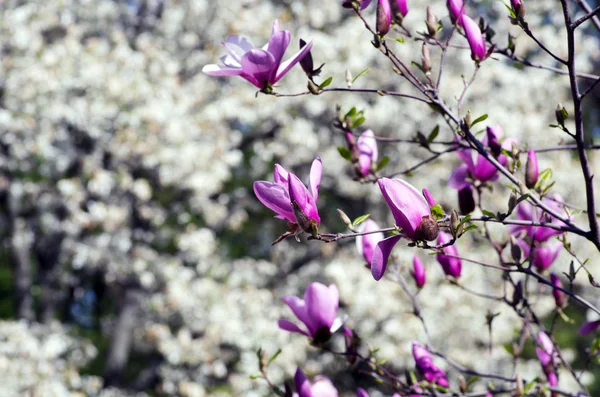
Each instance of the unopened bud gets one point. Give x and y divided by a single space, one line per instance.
425 59
517 294
312 87
454 222
462 384
428 229
382 22
307 61
512 202
515 250
431 22
519 387
515 151
352 342
466 201
518 8
345 219
531 169
348 78
559 297
493 143
467 118
560 114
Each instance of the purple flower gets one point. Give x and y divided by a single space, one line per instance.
478 167
412 214
317 311
384 17
547 356
360 392
466 201
289 198
531 169
475 38
320 387
366 244
589 327
527 212
518 8
352 341
400 7
418 271
260 66
426 367
456 8
559 297
543 254
367 148
451 266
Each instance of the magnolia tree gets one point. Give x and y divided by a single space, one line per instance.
538 223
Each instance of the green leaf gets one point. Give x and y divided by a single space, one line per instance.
530 385
382 163
367 70
489 213
437 211
399 39
325 83
345 153
464 220
351 113
418 66
358 121
523 197
510 10
274 356
433 134
360 220
472 380
253 377
596 345
479 119
565 114
543 177
508 348
469 228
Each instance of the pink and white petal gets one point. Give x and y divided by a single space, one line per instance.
218 70
407 204
364 164
321 305
302 384
314 181
277 45
322 387
299 309
289 326
236 47
287 65
367 144
275 198
258 65
275 27
280 176
458 178
381 255
429 197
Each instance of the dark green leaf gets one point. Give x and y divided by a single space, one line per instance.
382 163
469 228
345 153
358 121
523 197
325 83
433 134
479 119
508 348
489 213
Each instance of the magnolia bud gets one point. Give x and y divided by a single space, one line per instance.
559 297
512 202
468 118
517 294
466 201
431 22
382 22
462 384
522 188
428 229
312 87
531 169
518 8
454 224
345 219
519 387
515 250
348 78
425 59
352 342
307 61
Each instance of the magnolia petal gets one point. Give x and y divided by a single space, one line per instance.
589 327
302 384
287 65
381 255
236 47
299 309
280 176
322 387
474 37
277 45
407 204
458 178
366 244
298 192
429 197
314 181
275 198
258 65
361 392
337 323
321 304
289 326
218 70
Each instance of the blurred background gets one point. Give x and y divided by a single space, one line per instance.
135 258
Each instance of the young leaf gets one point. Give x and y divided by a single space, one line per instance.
508 348
367 70
523 197
479 119
360 220
433 134
325 83
489 213
345 153
358 121
274 356
437 211
469 228
382 163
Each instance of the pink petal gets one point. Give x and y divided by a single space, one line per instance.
302 384
277 45
407 204
316 172
366 244
322 304
383 249
458 178
275 198
456 9
258 65
475 38
289 326
367 147
280 176
418 271
429 197
298 192
299 309
402 6
218 70
589 327
322 387
287 65
361 392
236 47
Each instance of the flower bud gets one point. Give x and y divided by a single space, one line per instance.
512 202
418 272
454 222
301 218
493 143
517 294
466 201
428 229
383 20
519 387
559 297
312 87
518 8
431 22
462 384
307 61
515 250
531 169
345 219
468 119
425 59
352 342
560 115
348 78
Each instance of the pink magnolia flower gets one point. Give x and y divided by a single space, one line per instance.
412 214
531 169
260 66
451 266
426 367
386 10
559 297
366 244
317 311
418 271
456 8
527 212
367 148
543 255
475 165
475 38
547 356
320 387
589 327
289 198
